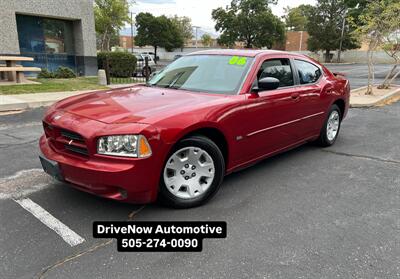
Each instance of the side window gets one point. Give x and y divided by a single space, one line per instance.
277 68
308 73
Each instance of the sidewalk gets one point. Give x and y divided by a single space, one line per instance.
380 97
34 100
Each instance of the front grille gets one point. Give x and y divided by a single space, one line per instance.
71 135
76 149
66 141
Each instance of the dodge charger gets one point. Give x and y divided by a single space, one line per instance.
203 116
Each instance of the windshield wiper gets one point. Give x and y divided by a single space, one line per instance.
168 85
172 83
155 85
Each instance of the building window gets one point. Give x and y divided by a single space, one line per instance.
49 41
58 36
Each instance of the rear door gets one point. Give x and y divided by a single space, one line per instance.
310 79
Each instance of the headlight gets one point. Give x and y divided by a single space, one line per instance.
124 145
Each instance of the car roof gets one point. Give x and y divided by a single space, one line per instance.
239 52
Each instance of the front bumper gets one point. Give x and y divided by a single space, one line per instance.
131 180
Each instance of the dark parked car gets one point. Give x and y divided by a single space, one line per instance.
177 56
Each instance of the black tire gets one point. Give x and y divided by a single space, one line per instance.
146 69
170 200
323 139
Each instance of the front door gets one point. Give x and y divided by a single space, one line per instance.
273 116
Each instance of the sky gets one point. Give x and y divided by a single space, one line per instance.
200 10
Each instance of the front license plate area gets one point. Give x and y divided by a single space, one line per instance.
51 168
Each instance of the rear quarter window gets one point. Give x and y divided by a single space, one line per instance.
308 72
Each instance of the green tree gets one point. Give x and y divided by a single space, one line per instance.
157 32
355 8
110 17
380 26
325 27
206 40
113 38
184 25
248 21
296 18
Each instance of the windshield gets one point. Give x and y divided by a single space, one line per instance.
207 73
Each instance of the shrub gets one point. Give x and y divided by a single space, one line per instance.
64 72
45 74
121 64
61 72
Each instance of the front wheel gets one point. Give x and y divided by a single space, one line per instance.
330 130
192 173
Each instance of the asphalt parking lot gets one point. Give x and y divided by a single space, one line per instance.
358 73
307 213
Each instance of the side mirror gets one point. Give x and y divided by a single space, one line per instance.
267 83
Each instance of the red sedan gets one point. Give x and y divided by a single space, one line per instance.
205 115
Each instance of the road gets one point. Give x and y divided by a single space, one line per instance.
307 213
358 73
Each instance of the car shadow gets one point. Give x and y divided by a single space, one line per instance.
236 191
78 208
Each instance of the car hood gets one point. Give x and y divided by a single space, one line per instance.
137 104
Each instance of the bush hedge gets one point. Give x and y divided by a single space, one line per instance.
61 72
121 64
64 72
46 74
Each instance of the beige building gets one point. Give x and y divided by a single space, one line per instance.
126 42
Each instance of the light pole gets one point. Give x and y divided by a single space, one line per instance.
341 36
196 28
301 40
132 31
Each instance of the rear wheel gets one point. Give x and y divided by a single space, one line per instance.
330 130
192 173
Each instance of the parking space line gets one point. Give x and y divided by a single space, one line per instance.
69 236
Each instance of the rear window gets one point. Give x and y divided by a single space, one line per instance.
308 72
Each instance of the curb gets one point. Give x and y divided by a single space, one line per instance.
380 101
23 106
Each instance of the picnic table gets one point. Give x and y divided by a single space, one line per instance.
15 72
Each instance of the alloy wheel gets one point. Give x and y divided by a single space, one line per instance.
333 125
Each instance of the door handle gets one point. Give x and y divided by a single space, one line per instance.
295 96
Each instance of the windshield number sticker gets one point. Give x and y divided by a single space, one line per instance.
236 60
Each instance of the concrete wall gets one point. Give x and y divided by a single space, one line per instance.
78 11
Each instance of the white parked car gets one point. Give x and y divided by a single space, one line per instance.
152 54
140 66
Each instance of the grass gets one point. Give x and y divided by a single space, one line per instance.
53 85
